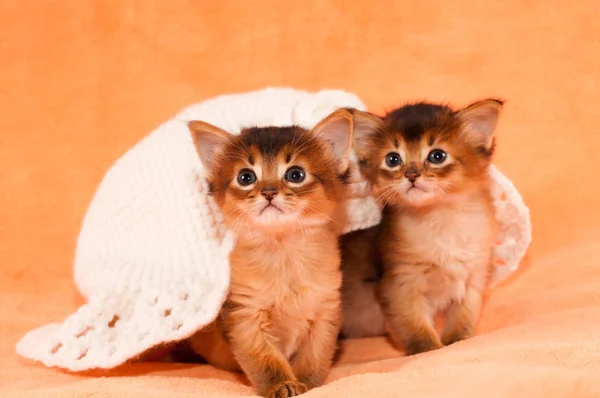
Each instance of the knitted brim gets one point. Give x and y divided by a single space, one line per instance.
152 254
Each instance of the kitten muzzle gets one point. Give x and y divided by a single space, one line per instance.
268 206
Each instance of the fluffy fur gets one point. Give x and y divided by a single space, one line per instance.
280 321
428 165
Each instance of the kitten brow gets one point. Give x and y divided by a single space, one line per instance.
441 131
388 134
234 156
241 146
305 143
295 139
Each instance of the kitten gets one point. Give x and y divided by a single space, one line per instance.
361 272
428 165
280 191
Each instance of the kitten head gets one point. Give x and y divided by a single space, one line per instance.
277 179
424 153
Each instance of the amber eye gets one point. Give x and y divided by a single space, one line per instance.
393 159
437 156
295 174
246 177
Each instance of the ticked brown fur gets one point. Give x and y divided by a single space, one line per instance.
281 318
436 237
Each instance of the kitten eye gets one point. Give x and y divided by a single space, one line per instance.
393 159
437 156
246 177
295 175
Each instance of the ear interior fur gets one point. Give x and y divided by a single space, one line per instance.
479 121
337 130
365 126
207 140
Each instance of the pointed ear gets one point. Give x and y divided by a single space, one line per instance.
366 125
337 130
207 139
479 121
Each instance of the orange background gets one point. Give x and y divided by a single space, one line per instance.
82 81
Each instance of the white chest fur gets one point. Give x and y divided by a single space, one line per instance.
448 246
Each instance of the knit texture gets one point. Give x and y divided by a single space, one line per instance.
152 254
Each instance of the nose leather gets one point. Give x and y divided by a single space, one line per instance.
269 193
412 174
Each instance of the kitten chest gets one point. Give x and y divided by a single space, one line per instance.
294 287
446 248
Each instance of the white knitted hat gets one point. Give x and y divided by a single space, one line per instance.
152 254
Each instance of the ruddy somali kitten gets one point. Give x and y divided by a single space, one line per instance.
428 165
280 191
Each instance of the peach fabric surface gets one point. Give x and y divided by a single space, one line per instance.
81 82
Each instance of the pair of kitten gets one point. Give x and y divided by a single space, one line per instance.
282 190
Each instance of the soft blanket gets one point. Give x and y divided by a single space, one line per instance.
152 255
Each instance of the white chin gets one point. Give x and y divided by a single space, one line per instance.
417 196
272 216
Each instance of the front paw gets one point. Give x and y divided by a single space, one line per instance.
287 389
456 336
420 344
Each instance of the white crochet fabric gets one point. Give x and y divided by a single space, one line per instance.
152 254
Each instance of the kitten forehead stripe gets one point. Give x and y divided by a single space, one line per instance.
272 140
414 120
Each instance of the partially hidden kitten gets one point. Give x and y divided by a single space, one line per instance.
361 271
281 191
428 165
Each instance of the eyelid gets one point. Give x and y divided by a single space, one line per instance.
283 168
400 153
307 175
295 167
445 163
246 187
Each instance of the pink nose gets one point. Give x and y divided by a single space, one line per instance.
269 193
412 175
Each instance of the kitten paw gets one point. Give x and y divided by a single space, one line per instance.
452 338
418 346
287 389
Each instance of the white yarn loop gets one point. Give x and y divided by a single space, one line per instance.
152 254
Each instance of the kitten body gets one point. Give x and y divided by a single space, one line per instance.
280 190
361 270
428 166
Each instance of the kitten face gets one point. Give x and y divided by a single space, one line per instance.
275 179
424 153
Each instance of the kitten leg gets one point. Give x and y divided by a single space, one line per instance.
314 356
259 354
462 317
407 315
361 274
211 345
